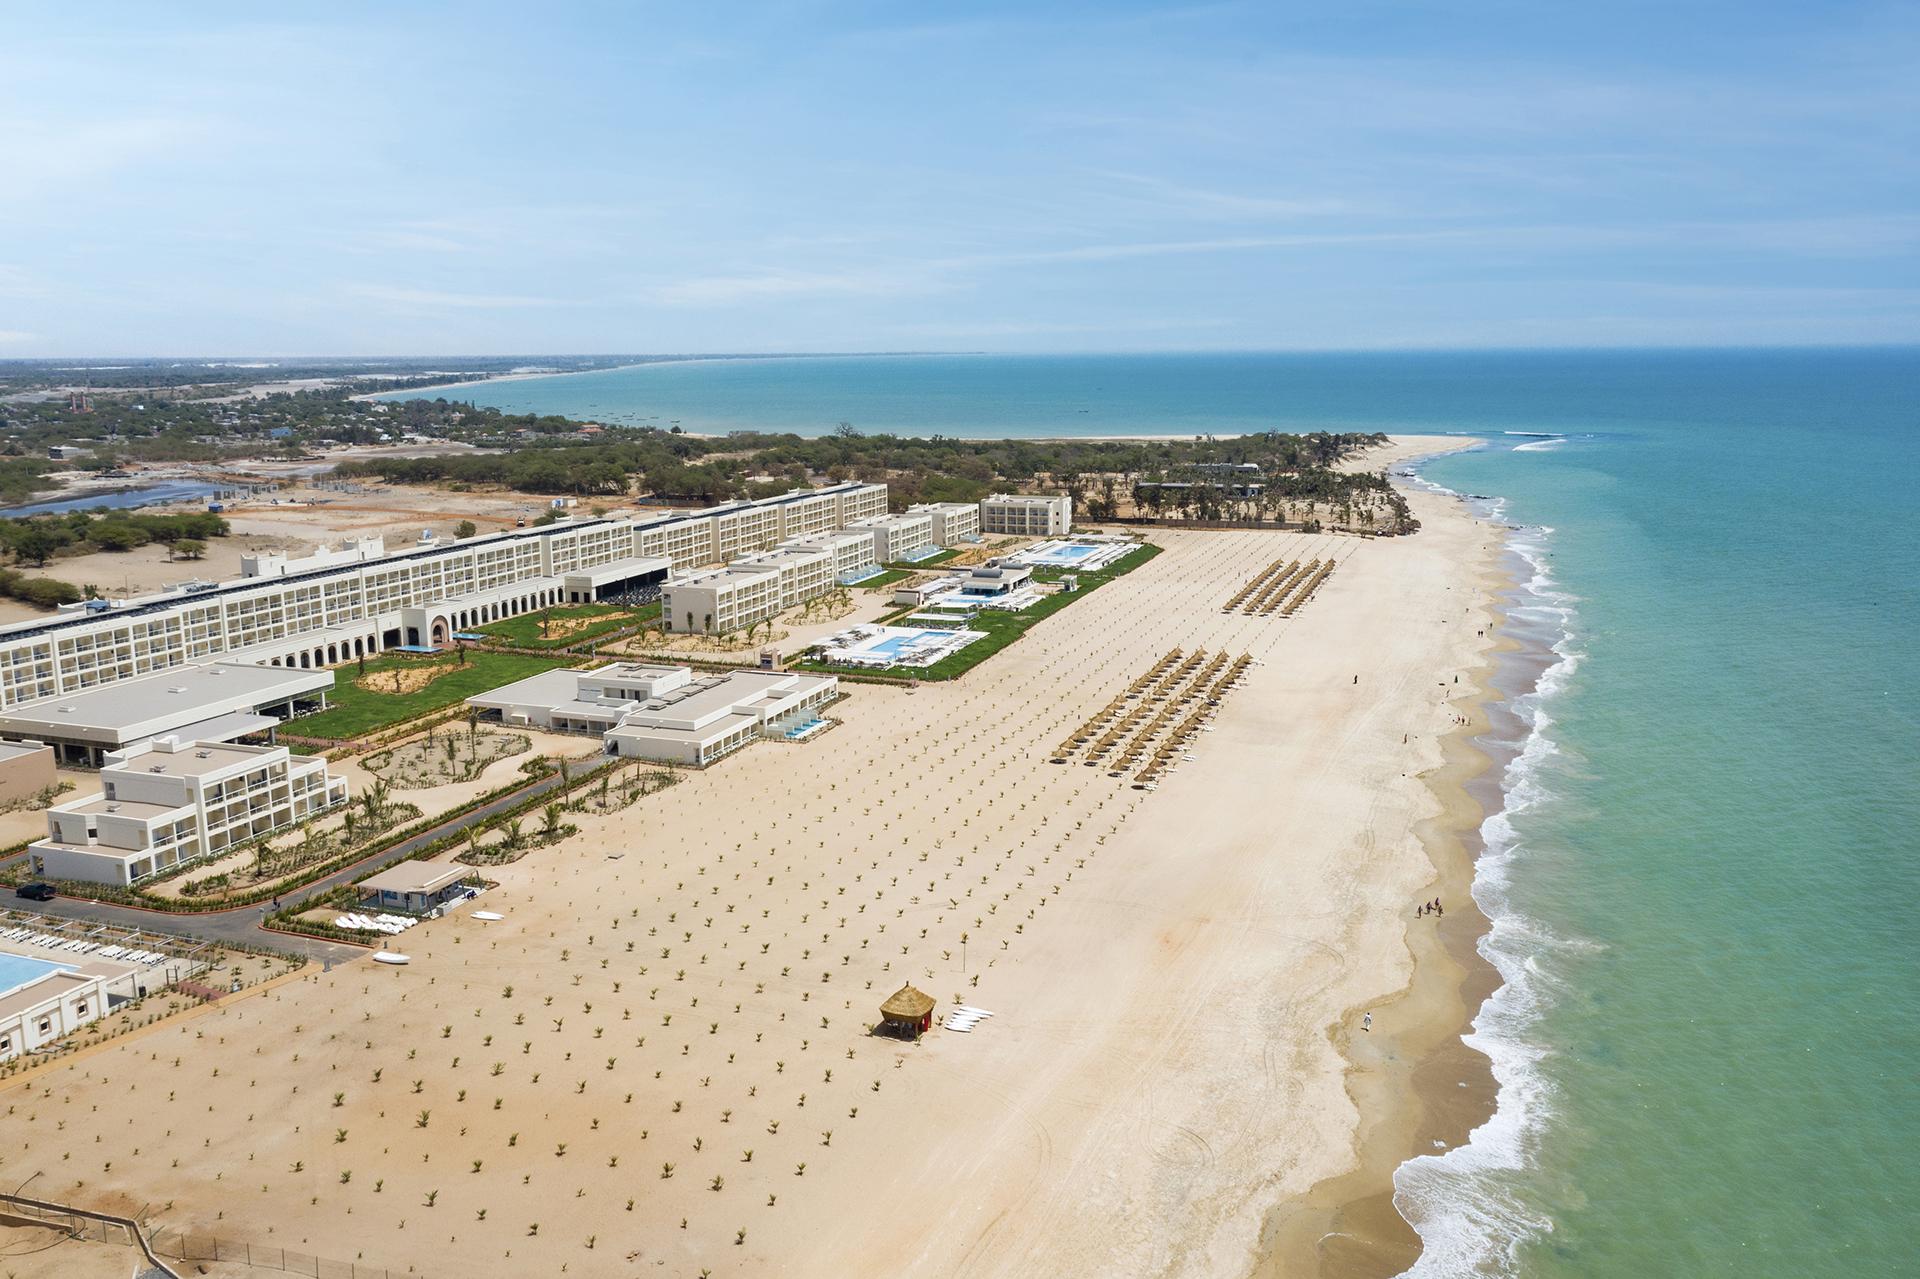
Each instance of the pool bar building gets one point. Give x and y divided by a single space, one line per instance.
666 714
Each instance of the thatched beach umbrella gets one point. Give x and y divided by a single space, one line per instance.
908 1012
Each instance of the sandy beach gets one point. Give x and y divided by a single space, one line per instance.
658 1059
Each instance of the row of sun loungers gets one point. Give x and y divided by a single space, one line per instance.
1257 585
1254 594
1306 589
964 1018
80 946
389 924
1153 722
1280 587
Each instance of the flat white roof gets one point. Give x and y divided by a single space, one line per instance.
619 570
548 688
197 759
414 877
164 702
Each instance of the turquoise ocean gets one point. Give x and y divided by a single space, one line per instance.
1703 867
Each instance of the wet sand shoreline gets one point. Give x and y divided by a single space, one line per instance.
1421 1089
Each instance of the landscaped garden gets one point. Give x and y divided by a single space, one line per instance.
559 627
395 688
448 754
367 817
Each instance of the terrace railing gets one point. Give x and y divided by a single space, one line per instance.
79 1223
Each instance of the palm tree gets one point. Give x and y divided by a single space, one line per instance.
553 820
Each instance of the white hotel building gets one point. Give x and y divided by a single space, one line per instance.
340 605
754 588
1026 515
899 537
165 802
953 522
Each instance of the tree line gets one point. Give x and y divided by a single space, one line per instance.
35 539
676 467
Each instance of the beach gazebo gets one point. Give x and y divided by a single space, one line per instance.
907 1013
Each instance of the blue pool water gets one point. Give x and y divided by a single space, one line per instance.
892 645
18 970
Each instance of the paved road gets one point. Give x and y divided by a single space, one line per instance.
243 923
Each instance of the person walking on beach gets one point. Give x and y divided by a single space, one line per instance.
1437 908
1366 1022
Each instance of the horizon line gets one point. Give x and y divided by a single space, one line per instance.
658 356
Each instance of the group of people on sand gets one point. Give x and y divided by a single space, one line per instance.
1429 908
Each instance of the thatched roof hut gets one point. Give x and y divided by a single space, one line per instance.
907 1012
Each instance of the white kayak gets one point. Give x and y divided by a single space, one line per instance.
388 957
487 915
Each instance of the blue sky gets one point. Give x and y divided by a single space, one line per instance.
204 179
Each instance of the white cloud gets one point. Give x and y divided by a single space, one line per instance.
725 290
1202 202
15 337
435 299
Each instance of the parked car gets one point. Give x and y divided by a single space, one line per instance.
37 892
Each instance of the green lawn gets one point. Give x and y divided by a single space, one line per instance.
356 711
524 631
1001 629
931 560
887 578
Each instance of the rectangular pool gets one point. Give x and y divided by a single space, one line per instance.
21 970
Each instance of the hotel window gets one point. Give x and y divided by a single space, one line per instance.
46 1025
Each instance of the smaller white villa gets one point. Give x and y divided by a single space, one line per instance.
1026 515
666 713
992 585
165 801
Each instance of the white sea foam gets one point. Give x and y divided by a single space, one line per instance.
1538 446
1463 1202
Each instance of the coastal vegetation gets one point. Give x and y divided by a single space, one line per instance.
35 539
41 592
673 467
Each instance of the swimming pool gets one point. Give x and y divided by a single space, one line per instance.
23 970
1087 555
875 646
